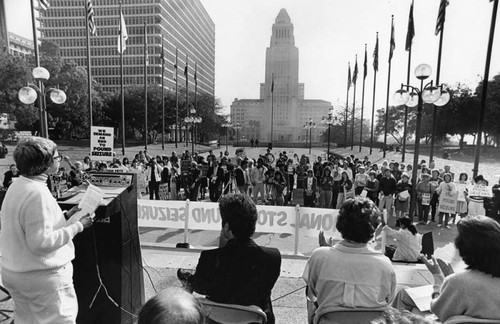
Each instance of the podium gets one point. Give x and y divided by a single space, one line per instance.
110 249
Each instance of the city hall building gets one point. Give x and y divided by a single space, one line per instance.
286 107
184 24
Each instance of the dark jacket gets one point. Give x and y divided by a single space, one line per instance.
241 273
387 186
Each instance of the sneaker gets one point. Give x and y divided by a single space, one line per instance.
439 225
447 226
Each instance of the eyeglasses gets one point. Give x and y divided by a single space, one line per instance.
57 158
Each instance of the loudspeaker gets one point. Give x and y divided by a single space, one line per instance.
107 275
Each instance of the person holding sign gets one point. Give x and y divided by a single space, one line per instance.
475 197
461 202
408 242
447 200
424 193
36 240
403 193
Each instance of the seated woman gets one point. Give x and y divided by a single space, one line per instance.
474 292
408 242
350 274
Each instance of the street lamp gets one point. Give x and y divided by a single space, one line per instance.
27 95
309 126
192 120
227 125
328 121
237 126
411 97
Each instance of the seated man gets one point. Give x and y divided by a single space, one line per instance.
239 271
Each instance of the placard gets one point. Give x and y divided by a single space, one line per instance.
185 164
426 199
448 202
461 187
101 143
163 191
480 191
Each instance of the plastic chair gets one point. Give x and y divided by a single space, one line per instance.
463 319
358 316
231 313
5 296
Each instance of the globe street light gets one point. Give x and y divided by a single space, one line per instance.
227 125
192 120
237 127
309 126
411 97
328 120
27 95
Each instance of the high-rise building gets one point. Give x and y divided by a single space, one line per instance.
281 106
184 24
20 46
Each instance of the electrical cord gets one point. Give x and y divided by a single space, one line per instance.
291 292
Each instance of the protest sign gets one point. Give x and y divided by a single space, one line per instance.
480 191
101 143
461 187
163 191
448 202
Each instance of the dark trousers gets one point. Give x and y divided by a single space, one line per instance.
495 210
423 212
154 188
214 191
309 200
434 203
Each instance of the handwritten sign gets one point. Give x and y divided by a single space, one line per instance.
480 191
101 143
448 202
206 216
163 191
461 187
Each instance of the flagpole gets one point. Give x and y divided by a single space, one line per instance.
145 87
162 95
195 102
89 72
272 107
122 81
375 70
434 110
37 60
362 104
347 105
176 97
388 90
186 73
484 90
409 41
355 76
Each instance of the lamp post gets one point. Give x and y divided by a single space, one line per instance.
227 125
31 92
328 121
192 120
309 126
237 127
429 94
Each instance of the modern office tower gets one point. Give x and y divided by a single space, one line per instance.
285 108
184 24
20 46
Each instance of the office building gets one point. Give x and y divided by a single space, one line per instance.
184 24
284 107
20 46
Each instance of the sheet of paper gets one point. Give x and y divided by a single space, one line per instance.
364 193
404 194
421 296
89 203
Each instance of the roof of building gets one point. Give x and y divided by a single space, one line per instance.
283 17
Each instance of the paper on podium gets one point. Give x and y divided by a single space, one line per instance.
421 296
89 203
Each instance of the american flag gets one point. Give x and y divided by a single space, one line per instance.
349 81
355 73
90 18
411 29
196 73
365 66
186 68
441 16
175 65
44 4
393 41
375 56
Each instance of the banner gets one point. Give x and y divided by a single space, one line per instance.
206 216
480 191
448 202
101 143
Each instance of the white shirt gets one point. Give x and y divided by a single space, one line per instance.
408 245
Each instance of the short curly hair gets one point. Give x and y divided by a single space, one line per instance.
478 242
34 155
357 220
240 213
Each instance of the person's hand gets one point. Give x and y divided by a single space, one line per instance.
432 265
66 158
445 267
322 240
72 211
87 220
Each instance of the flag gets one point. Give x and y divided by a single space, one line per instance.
375 56
272 83
441 16
393 42
44 4
175 66
365 66
90 18
411 29
122 34
195 73
186 67
349 82
355 73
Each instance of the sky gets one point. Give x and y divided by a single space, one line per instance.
329 34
